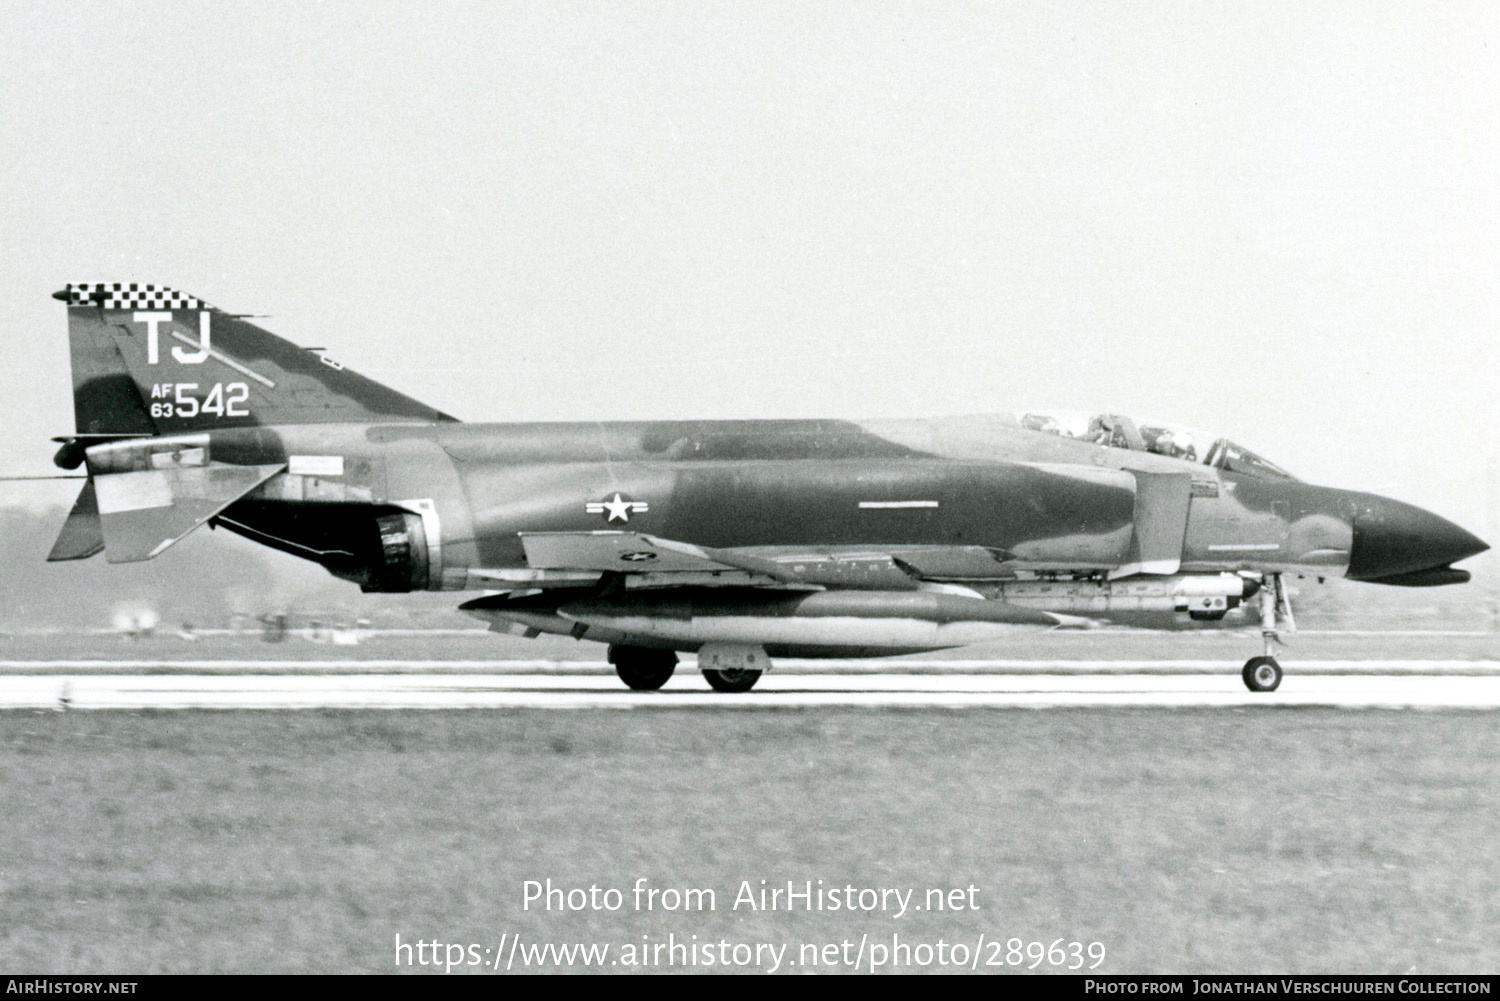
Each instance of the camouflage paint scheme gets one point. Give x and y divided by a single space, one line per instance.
188 415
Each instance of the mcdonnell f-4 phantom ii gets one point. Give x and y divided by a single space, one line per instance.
738 541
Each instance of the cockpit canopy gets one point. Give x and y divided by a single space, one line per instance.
1159 437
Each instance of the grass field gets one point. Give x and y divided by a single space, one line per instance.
1185 841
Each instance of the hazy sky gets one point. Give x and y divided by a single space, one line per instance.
1276 220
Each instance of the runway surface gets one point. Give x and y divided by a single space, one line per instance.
58 685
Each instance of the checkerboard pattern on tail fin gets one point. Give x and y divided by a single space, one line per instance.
129 295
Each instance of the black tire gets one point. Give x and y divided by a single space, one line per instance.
732 681
1261 674
641 669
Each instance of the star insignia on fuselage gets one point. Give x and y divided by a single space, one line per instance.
618 508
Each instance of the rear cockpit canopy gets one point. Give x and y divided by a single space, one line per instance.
1158 437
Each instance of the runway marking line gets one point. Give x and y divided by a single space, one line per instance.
222 691
1308 668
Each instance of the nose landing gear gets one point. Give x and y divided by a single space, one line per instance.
1263 674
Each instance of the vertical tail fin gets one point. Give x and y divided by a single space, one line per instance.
151 360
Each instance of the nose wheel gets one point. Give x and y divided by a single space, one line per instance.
1263 674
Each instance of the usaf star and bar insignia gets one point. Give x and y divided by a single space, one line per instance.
617 509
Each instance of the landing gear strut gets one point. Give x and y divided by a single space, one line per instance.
643 669
1263 674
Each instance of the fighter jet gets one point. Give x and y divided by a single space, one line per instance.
738 541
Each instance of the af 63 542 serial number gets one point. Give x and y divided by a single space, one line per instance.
182 399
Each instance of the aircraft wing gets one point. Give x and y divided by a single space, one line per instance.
619 552
898 568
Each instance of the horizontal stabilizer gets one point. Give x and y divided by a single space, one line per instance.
82 536
145 512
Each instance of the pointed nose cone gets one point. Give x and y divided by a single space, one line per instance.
1392 538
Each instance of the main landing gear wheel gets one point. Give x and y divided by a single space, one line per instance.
642 669
732 681
1261 674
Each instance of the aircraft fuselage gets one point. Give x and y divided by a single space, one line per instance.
967 498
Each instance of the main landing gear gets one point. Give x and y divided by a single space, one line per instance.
732 680
1263 674
641 668
732 667
726 667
